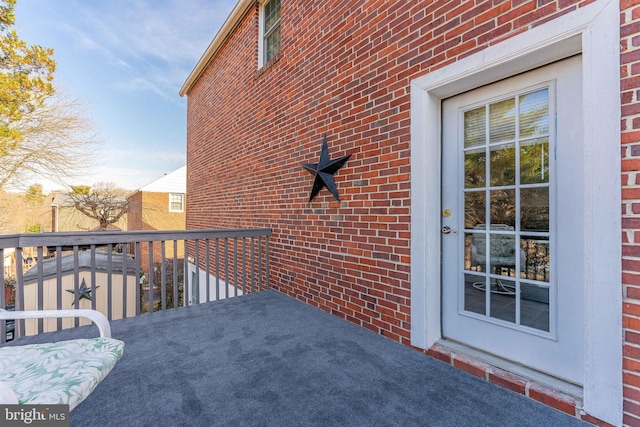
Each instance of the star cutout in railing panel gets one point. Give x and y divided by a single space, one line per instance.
324 171
84 292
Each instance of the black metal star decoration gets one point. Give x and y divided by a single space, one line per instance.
324 171
83 292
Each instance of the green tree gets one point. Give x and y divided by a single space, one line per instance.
26 76
80 189
35 228
34 195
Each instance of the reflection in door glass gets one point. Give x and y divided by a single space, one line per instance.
475 168
534 161
503 300
534 209
503 254
534 113
503 208
502 120
537 262
534 306
475 252
503 165
507 176
474 209
475 127
474 293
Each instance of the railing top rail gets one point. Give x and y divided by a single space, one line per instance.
106 237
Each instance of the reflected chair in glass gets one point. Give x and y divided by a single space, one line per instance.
503 256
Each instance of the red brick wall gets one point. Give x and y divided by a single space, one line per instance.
345 71
134 216
630 97
150 211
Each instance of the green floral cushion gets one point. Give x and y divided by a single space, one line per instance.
65 372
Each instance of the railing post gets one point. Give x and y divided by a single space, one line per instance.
259 264
244 265
253 263
187 293
226 267
207 271
175 274
196 282
136 252
217 269
109 281
267 261
19 303
3 302
125 281
59 284
40 263
150 278
163 280
76 282
235 266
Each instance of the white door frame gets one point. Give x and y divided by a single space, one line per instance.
594 32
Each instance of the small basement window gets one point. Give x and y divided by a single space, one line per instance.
176 202
270 30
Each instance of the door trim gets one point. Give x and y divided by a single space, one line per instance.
594 32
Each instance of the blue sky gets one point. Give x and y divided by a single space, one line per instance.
126 60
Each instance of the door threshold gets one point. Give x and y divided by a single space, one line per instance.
552 391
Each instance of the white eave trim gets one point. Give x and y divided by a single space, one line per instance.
229 24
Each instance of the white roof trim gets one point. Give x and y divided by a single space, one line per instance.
171 182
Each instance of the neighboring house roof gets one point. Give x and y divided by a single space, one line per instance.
50 265
171 182
229 25
62 199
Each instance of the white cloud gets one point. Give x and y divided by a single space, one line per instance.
159 42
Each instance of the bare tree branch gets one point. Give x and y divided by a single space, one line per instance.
105 203
58 143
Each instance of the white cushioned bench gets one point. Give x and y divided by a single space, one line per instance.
64 372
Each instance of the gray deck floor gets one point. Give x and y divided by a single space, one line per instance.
266 359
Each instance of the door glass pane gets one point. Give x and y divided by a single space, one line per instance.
534 113
503 208
474 293
503 300
502 120
534 161
503 165
534 209
534 306
475 124
507 260
475 168
536 257
503 254
474 209
475 252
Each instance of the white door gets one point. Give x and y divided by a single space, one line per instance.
511 199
